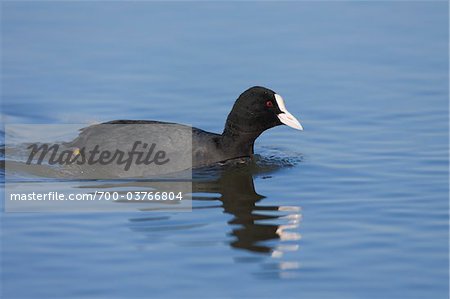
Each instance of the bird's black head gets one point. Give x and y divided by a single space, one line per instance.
258 109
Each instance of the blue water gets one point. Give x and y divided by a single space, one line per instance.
355 206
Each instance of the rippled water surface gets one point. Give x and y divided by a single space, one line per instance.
355 206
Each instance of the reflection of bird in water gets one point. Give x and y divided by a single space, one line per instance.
263 229
252 224
239 198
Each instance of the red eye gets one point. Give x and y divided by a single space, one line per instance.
269 104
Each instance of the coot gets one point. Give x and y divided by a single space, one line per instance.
256 110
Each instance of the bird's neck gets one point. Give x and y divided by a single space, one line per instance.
239 141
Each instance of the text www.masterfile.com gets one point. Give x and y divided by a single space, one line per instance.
98 195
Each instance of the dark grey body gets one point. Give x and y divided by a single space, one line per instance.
207 147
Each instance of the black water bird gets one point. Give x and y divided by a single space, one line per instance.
256 110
